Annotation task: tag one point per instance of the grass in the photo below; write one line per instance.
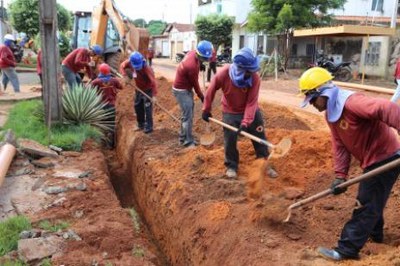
(135, 219)
(53, 226)
(26, 121)
(13, 263)
(9, 233)
(138, 251)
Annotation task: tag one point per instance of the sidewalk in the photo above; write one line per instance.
(28, 92)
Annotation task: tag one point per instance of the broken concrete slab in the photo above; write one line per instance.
(28, 204)
(32, 249)
(36, 149)
(70, 173)
(44, 162)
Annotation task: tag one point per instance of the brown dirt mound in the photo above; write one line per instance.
(201, 218)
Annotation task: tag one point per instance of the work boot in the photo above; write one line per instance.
(148, 130)
(271, 172)
(334, 255)
(231, 173)
(376, 238)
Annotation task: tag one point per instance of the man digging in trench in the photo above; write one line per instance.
(360, 126)
(240, 85)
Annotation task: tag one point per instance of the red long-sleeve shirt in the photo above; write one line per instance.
(39, 62)
(234, 100)
(108, 88)
(144, 78)
(7, 58)
(77, 60)
(187, 74)
(364, 131)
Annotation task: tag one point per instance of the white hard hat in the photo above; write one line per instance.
(9, 37)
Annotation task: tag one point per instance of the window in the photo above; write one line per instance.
(310, 48)
(372, 54)
(112, 35)
(294, 49)
(241, 41)
(219, 8)
(377, 5)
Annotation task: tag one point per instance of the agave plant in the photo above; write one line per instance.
(83, 105)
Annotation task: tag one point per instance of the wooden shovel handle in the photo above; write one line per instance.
(252, 137)
(147, 96)
(348, 183)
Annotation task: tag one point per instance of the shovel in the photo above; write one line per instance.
(278, 150)
(348, 183)
(208, 137)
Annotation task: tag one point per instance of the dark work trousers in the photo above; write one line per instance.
(230, 138)
(144, 110)
(367, 218)
(212, 67)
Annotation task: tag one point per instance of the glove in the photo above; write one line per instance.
(206, 115)
(240, 129)
(336, 182)
(154, 99)
(202, 67)
(395, 81)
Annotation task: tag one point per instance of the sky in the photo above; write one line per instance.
(167, 10)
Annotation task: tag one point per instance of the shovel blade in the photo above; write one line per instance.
(282, 148)
(208, 137)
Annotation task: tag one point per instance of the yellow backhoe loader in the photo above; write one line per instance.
(109, 28)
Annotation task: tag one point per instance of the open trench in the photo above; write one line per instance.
(195, 216)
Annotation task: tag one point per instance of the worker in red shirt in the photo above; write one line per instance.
(146, 82)
(108, 86)
(80, 58)
(150, 55)
(212, 66)
(8, 63)
(361, 127)
(187, 79)
(39, 66)
(240, 86)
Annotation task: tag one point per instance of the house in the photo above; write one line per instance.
(181, 37)
(239, 9)
(160, 44)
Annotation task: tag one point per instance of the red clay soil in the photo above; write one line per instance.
(198, 217)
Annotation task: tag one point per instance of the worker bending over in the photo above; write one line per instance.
(144, 78)
(360, 126)
(187, 79)
(240, 86)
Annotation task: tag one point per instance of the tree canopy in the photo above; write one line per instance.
(156, 27)
(282, 16)
(24, 16)
(215, 28)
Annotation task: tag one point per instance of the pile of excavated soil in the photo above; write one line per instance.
(199, 217)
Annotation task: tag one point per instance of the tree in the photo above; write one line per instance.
(24, 16)
(281, 17)
(215, 28)
(140, 23)
(156, 27)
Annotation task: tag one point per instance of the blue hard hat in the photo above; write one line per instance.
(97, 49)
(204, 49)
(246, 60)
(136, 60)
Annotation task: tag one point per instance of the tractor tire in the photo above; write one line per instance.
(343, 74)
(114, 60)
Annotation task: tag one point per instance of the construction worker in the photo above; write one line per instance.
(8, 63)
(360, 126)
(108, 86)
(187, 79)
(150, 55)
(240, 86)
(78, 59)
(146, 82)
(39, 66)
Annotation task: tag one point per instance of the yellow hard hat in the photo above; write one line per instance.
(313, 78)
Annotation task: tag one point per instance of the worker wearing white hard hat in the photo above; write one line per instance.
(8, 63)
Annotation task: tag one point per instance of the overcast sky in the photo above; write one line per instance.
(167, 10)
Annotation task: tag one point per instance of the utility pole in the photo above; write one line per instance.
(51, 61)
(394, 14)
